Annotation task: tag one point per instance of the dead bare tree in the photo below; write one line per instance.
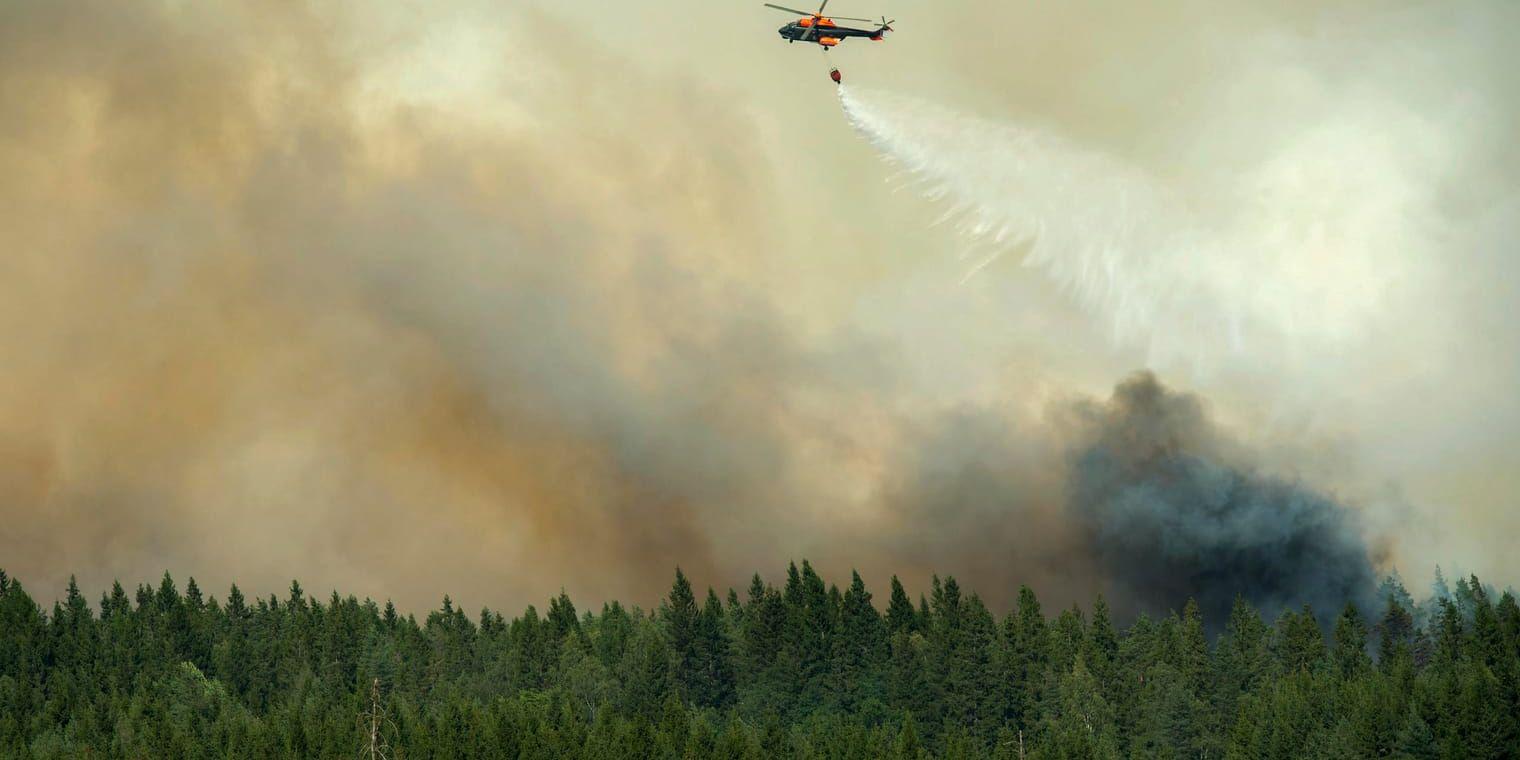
(374, 725)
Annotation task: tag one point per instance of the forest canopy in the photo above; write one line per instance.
(804, 669)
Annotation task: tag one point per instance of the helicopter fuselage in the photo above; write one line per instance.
(827, 33)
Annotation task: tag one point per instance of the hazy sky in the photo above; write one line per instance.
(498, 298)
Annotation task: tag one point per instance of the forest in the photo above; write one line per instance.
(803, 670)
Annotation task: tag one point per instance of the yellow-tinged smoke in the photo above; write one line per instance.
(390, 301)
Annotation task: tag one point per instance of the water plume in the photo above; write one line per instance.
(1192, 268)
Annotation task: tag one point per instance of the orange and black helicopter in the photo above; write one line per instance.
(819, 29)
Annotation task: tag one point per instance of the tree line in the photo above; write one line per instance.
(804, 670)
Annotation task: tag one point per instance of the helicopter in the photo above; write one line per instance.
(819, 29)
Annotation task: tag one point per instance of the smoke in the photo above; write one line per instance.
(264, 319)
(1172, 508)
(1141, 495)
(412, 301)
(1300, 211)
(1163, 505)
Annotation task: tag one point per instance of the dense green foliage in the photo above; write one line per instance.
(806, 670)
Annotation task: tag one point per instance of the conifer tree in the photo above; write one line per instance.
(900, 613)
(1350, 653)
(860, 647)
(908, 681)
(1083, 725)
(1300, 645)
(1029, 645)
(976, 673)
(1101, 649)
(909, 746)
(680, 613)
(1193, 651)
(1395, 635)
(1450, 634)
(561, 618)
(817, 621)
(714, 685)
(613, 630)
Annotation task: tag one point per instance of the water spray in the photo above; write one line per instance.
(1188, 276)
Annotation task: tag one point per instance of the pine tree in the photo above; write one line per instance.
(942, 636)
(817, 620)
(646, 675)
(1465, 597)
(1300, 645)
(861, 648)
(1193, 651)
(715, 685)
(561, 618)
(736, 742)
(1350, 649)
(900, 613)
(1395, 635)
(766, 657)
(1488, 641)
(679, 614)
(1101, 649)
(1083, 725)
(1029, 645)
(613, 630)
(1509, 621)
(1374, 714)
(908, 746)
(1067, 637)
(1450, 638)
(1392, 589)
(908, 680)
(1486, 722)
(972, 680)
(1415, 740)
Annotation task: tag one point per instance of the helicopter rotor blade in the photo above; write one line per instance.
(788, 10)
(852, 18)
(821, 7)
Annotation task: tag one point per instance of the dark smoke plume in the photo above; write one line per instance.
(1171, 511)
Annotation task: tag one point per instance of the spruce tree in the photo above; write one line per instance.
(561, 618)
(1299, 643)
(908, 680)
(1509, 622)
(900, 613)
(861, 647)
(1101, 648)
(1450, 637)
(818, 619)
(909, 746)
(715, 685)
(1193, 652)
(679, 613)
(1029, 642)
(1350, 647)
(1395, 635)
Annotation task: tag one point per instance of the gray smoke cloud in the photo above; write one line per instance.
(1142, 496)
(1172, 509)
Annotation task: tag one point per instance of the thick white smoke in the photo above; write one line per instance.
(1290, 255)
